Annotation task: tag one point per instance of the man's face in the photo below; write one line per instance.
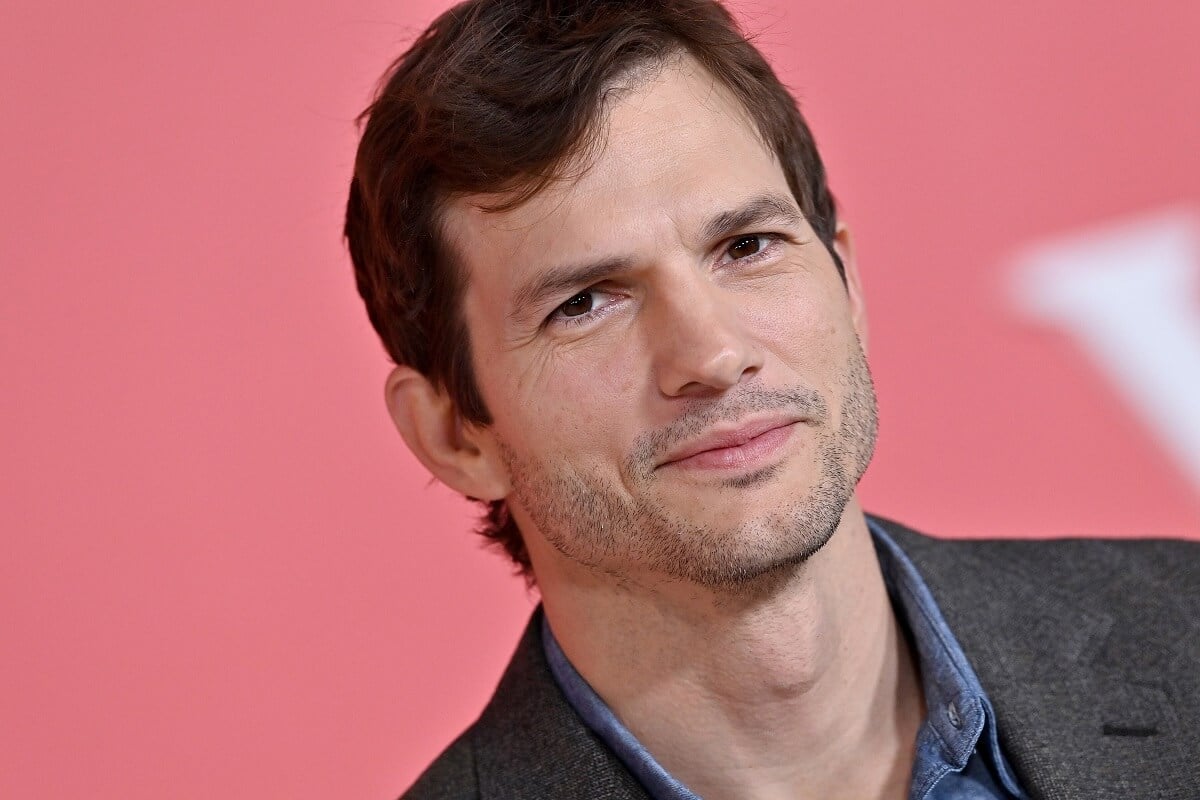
(668, 352)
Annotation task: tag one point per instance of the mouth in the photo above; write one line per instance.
(752, 445)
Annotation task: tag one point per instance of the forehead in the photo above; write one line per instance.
(675, 148)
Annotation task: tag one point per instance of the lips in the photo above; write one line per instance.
(743, 446)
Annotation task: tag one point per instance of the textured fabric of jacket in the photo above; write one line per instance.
(1088, 649)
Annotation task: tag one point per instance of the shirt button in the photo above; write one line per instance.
(952, 713)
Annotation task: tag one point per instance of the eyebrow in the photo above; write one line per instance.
(557, 281)
(759, 210)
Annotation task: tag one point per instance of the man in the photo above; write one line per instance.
(597, 240)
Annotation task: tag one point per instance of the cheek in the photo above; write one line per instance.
(803, 327)
(570, 402)
(601, 383)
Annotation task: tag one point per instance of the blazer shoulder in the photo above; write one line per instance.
(1117, 571)
(1163, 553)
(451, 776)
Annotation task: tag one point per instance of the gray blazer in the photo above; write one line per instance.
(1089, 651)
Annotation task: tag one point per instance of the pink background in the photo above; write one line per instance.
(224, 576)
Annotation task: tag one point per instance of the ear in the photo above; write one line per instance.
(843, 244)
(457, 453)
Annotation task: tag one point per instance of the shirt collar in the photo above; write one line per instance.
(595, 713)
(958, 710)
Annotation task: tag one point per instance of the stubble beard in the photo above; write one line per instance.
(586, 520)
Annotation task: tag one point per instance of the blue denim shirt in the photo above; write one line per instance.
(958, 752)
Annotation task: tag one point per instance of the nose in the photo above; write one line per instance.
(699, 342)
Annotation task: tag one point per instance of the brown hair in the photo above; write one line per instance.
(496, 96)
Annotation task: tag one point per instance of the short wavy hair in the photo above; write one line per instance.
(496, 97)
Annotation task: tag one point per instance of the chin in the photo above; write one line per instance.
(728, 550)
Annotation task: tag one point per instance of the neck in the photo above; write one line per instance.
(806, 688)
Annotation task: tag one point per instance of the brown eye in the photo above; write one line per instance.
(577, 305)
(744, 246)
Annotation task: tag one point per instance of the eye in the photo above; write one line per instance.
(578, 305)
(745, 246)
(585, 307)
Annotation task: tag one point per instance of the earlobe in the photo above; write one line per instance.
(432, 428)
(843, 245)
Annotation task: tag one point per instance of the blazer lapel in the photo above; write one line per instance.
(1085, 697)
(536, 745)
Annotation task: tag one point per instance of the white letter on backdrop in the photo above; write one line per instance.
(1129, 295)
